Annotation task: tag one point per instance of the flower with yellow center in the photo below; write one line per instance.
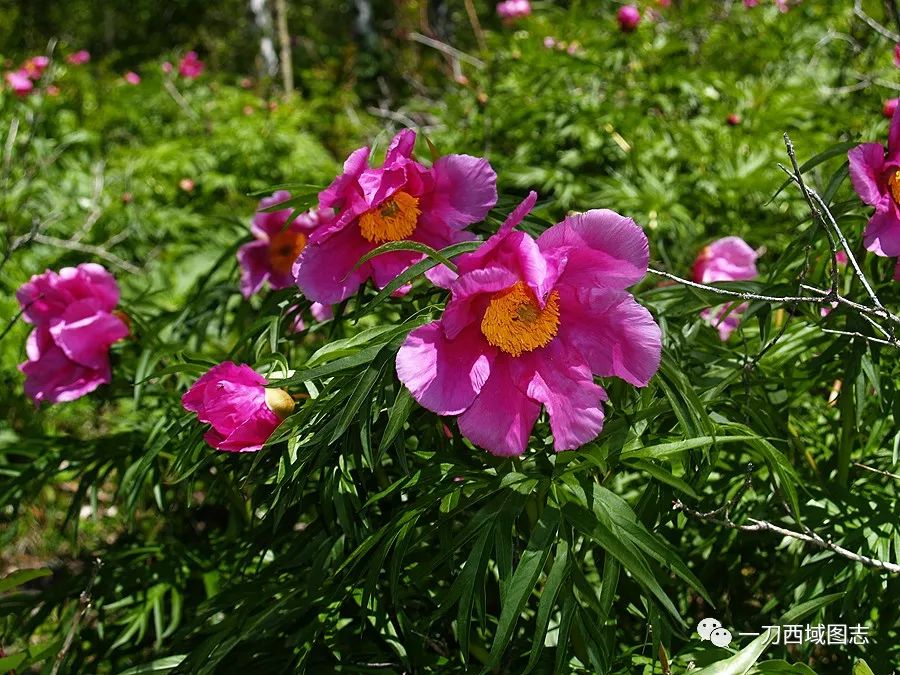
(894, 185)
(516, 324)
(392, 220)
(284, 248)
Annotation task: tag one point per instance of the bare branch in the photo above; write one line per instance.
(873, 24)
(87, 248)
(446, 49)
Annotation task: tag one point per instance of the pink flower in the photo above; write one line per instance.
(549, 42)
(528, 324)
(664, 3)
(751, 3)
(187, 185)
(512, 10)
(74, 326)
(733, 119)
(132, 77)
(628, 17)
(270, 257)
(321, 313)
(235, 401)
(79, 58)
(897, 55)
(35, 67)
(727, 259)
(167, 67)
(875, 174)
(19, 82)
(400, 200)
(52, 90)
(890, 107)
(191, 66)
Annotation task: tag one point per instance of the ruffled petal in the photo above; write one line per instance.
(558, 377)
(401, 145)
(336, 194)
(444, 375)
(484, 255)
(617, 336)
(882, 234)
(465, 190)
(502, 416)
(866, 169)
(252, 433)
(255, 266)
(194, 398)
(84, 334)
(602, 249)
(324, 270)
(55, 378)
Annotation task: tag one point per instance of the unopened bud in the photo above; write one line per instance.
(279, 402)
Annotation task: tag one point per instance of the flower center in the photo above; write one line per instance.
(516, 324)
(894, 185)
(394, 219)
(284, 248)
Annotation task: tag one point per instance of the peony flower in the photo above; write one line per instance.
(35, 67)
(733, 120)
(19, 82)
(528, 324)
(167, 67)
(727, 259)
(270, 257)
(400, 200)
(74, 326)
(191, 66)
(875, 174)
(132, 77)
(890, 107)
(235, 401)
(628, 17)
(79, 58)
(512, 10)
(549, 42)
(321, 313)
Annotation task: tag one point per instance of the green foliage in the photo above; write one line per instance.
(368, 535)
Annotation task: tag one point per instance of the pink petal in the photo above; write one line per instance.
(882, 234)
(465, 190)
(470, 296)
(56, 378)
(323, 270)
(501, 417)
(85, 334)
(725, 319)
(321, 312)
(335, 194)
(616, 335)
(444, 375)
(388, 266)
(602, 249)
(194, 399)
(401, 146)
(726, 259)
(484, 254)
(252, 433)
(559, 378)
(270, 223)
(255, 266)
(866, 168)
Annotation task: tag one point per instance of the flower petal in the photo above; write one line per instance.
(324, 270)
(85, 334)
(501, 417)
(616, 335)
(866, 168)
(401, 145)
(335, 194)
(444, 375)
(255, 266)
(465, 189)
(559, 378)
(602, 249)
(882, 234)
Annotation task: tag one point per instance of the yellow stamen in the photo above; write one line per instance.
(284, 248)
(515, 323)
(894, 185)
(394, 219)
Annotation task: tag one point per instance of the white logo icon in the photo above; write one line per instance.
(712, 630)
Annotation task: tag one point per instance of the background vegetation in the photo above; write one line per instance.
(370, 537)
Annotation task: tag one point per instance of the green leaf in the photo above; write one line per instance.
(20, 577)
(397, 416)
(742, 662)
(163, 665)
(524, 579)
(405, 245)
(862, 668)
(558, 573)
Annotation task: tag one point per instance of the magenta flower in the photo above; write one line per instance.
(191, 66)
(235, 401)
(628, 17)
(74, 326)
(35, 67)
(19, 82)
(727, 259)
(270, 257)
(400, 200)
(512, 10)
(79, 58)
(875, 174)
(132, 77)
(528, 324)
